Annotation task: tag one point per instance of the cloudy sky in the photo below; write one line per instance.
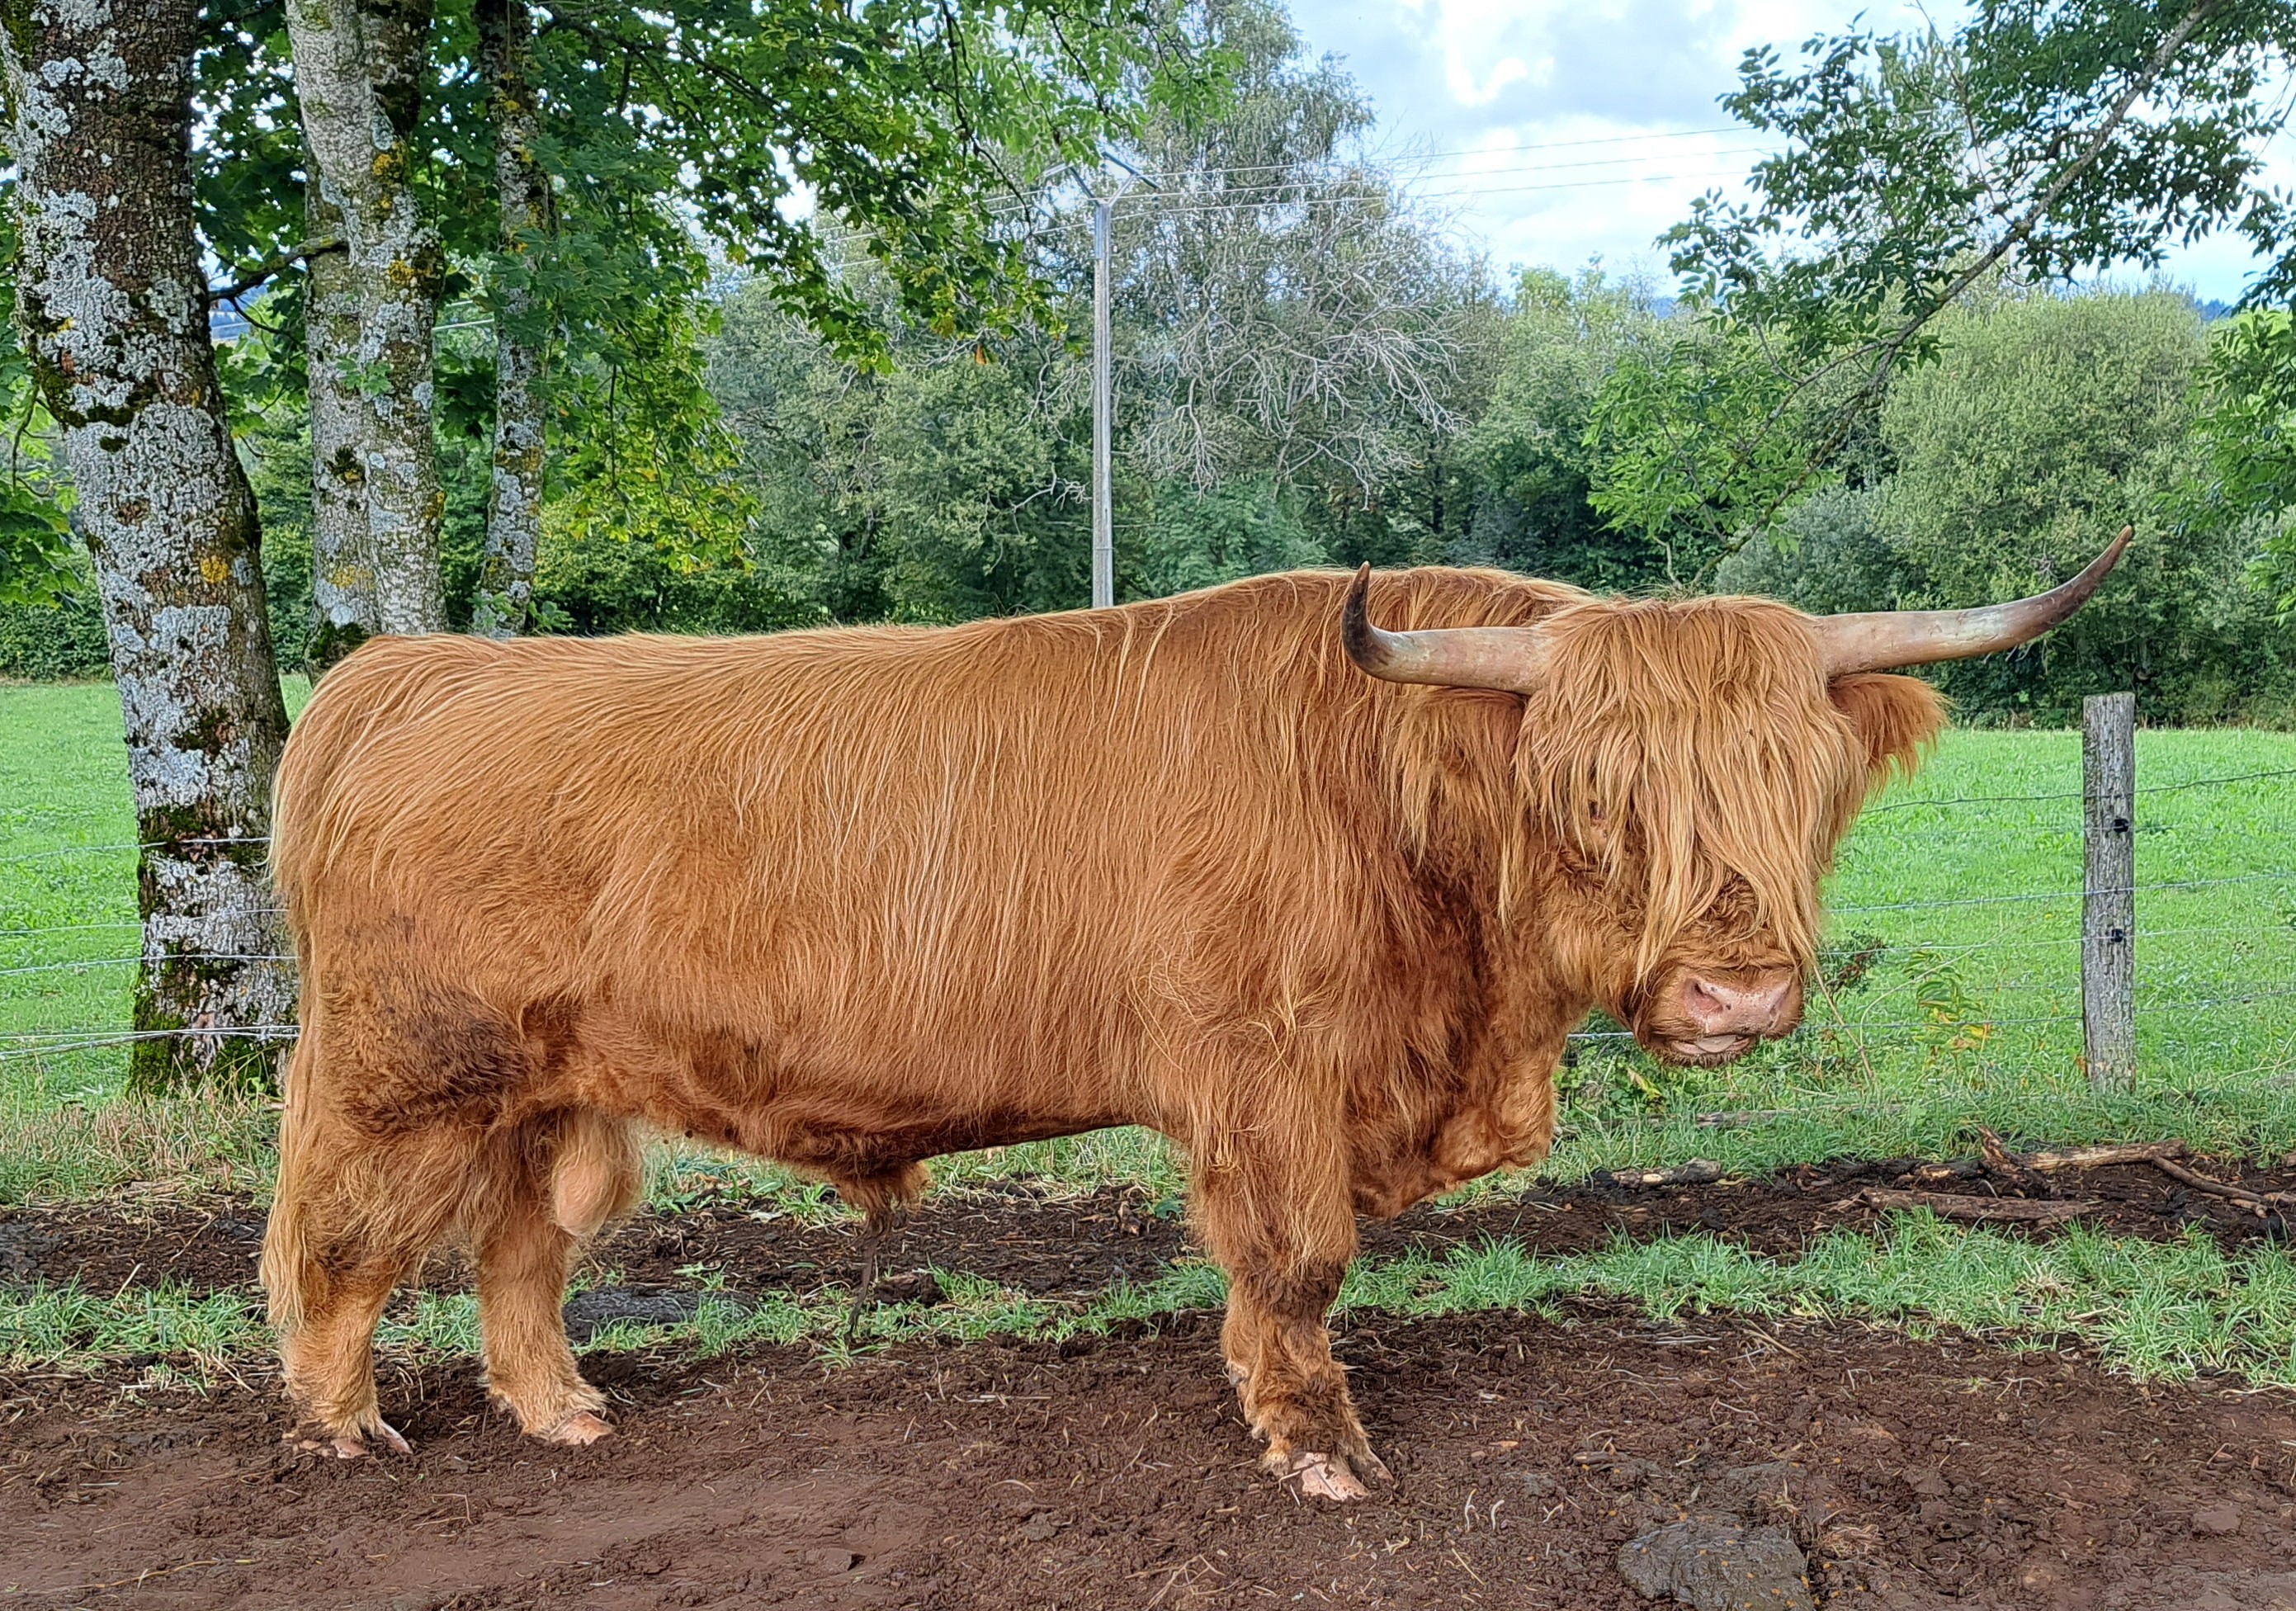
(1554, 133)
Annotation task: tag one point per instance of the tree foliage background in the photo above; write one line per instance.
(1870, 388)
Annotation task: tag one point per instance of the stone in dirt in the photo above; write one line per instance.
(1713, 1565)
(588, 1313)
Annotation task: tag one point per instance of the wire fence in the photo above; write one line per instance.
(2217, 958)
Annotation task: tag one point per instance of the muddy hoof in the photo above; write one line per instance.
(1324, 1477)
(349, 1445)
(579, 1428)
(1371, 1466)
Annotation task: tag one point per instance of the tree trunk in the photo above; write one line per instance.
(342, 573)
(514, 494)
(113, 308)
(360, 66)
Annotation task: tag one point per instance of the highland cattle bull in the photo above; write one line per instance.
(1317, 901)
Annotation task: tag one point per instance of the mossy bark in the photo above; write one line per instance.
(114, 310)
(343, 605)
(360, 67)
(514, 494)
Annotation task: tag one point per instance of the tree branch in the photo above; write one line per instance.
(271, 266)
(2025, 226)
(1891, 347)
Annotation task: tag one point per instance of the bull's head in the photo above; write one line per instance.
(1685, 768)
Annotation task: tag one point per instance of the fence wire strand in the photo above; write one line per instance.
(2082, 794)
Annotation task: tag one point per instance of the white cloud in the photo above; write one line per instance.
(1563, 132)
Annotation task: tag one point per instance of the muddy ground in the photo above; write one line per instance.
(1060, 1244)
(995, 1476)
(1117, 1473)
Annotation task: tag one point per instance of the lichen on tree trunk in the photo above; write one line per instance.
(360, 67)
(514, 494)
(342, 572)
(114, 310)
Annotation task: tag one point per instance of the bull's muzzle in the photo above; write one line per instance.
(1702, 1019)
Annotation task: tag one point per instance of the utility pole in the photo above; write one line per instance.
(1104, 515)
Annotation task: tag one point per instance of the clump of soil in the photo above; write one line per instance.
(1008, 1476)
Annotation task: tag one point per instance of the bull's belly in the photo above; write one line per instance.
(840, 1146)
(849, 1094)
(857, 1132)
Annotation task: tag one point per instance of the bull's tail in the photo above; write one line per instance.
(289, 1265)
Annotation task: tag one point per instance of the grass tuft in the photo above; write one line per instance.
(2153, 1310)
(188, 1143)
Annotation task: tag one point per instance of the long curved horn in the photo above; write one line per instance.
(1454, 657)
(1882, 639)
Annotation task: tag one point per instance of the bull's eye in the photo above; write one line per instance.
(1735, 906)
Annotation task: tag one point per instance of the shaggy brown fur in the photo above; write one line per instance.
(851, 898)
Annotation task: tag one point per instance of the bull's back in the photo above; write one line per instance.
(889, 860)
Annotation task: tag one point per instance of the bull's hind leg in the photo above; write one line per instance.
(1282, 1224)
(352, 1217)
(328, 1358)
(543, 1188)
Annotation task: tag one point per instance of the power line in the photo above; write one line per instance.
(1188, 210)
(1421, 159)
(1375, 161)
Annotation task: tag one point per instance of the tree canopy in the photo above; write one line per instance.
(2038, 140)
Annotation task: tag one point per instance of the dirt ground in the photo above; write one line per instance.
(1108, 1473)
(1526, 1453)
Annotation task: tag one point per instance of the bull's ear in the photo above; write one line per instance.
(1897, 717)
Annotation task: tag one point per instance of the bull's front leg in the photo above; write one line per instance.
(1282, 1227)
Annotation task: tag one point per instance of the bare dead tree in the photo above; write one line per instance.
(1286, 306)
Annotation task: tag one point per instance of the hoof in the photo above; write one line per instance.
(579, 1428)
(349, 1445)
(1325, 1477)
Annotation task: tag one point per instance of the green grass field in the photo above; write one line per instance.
(67, 930)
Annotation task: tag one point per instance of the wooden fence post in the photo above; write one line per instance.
(2108, 890)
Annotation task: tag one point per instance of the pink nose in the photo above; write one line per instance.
(1737, 1009)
